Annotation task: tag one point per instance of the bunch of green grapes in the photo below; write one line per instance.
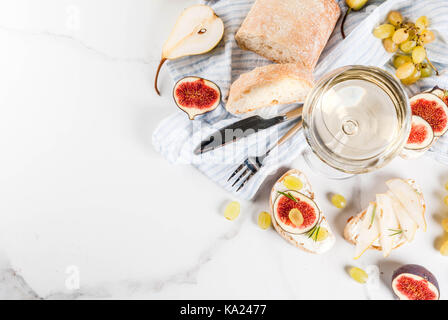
(409, 39)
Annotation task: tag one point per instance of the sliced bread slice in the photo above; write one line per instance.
(269, 85)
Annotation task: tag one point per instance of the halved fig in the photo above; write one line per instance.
(421, 135)
(287, 202)
(414, 282)
(441, 93)
(432, 109)
(196, 96)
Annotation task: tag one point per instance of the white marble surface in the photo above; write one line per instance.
(84, 193)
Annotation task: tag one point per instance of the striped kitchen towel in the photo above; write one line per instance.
(176, 137)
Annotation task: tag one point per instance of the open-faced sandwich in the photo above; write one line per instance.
(296, 216)
(390, 221)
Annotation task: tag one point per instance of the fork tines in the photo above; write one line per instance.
(250, 168)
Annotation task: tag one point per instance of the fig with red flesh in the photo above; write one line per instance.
(421, 135)
(196, 96)
(290, 200)
(414, 282)
(432, 109)
(441, 93)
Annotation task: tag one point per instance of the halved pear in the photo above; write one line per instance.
(198, 30)
(407, 224)
(388, 223)
(410, 199)
(369, 230)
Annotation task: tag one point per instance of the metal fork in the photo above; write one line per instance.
(253, 164)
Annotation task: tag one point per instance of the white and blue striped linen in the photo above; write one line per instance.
(176, 137)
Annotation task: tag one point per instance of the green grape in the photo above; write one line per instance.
(444, 248)
(405, 70)
(399, 60)
(427, 36)
(232, 210)
(413, 78)
(264, 220)
(389, 45)
(425, 70)
(293, 183)
(422, 23)
(358, 275)
(410, 27)
(322, 234)
(356, 4)
(338, 201)
(395, 18)
(296, 217)
(400, 35)
(445, 224)
(384, 31)
(418, 54)
(407, 46)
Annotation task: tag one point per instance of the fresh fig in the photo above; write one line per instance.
(421, 135)
(414, 282)
(196, 96)
(288, 205)
(441, 93)
(432, 109)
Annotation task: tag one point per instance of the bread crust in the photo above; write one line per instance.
(277, 228)
(347, 230)
(300, 27)
(265, 75)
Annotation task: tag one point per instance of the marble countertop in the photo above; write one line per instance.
(87, 208)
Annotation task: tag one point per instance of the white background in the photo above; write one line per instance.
(81, 185)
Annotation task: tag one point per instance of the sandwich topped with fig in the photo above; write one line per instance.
(296, 216)
(390, 221)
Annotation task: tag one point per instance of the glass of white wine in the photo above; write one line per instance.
(356, 120)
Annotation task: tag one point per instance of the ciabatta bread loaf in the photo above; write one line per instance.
(289, 31)
(269, 85)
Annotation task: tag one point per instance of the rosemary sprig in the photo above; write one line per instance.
(395, 232)
(288, 195)
(314, 232)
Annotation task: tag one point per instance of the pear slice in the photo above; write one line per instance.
(388, 222)
(410, 199)
(198, 30)
(408, 225)
(369, 230)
